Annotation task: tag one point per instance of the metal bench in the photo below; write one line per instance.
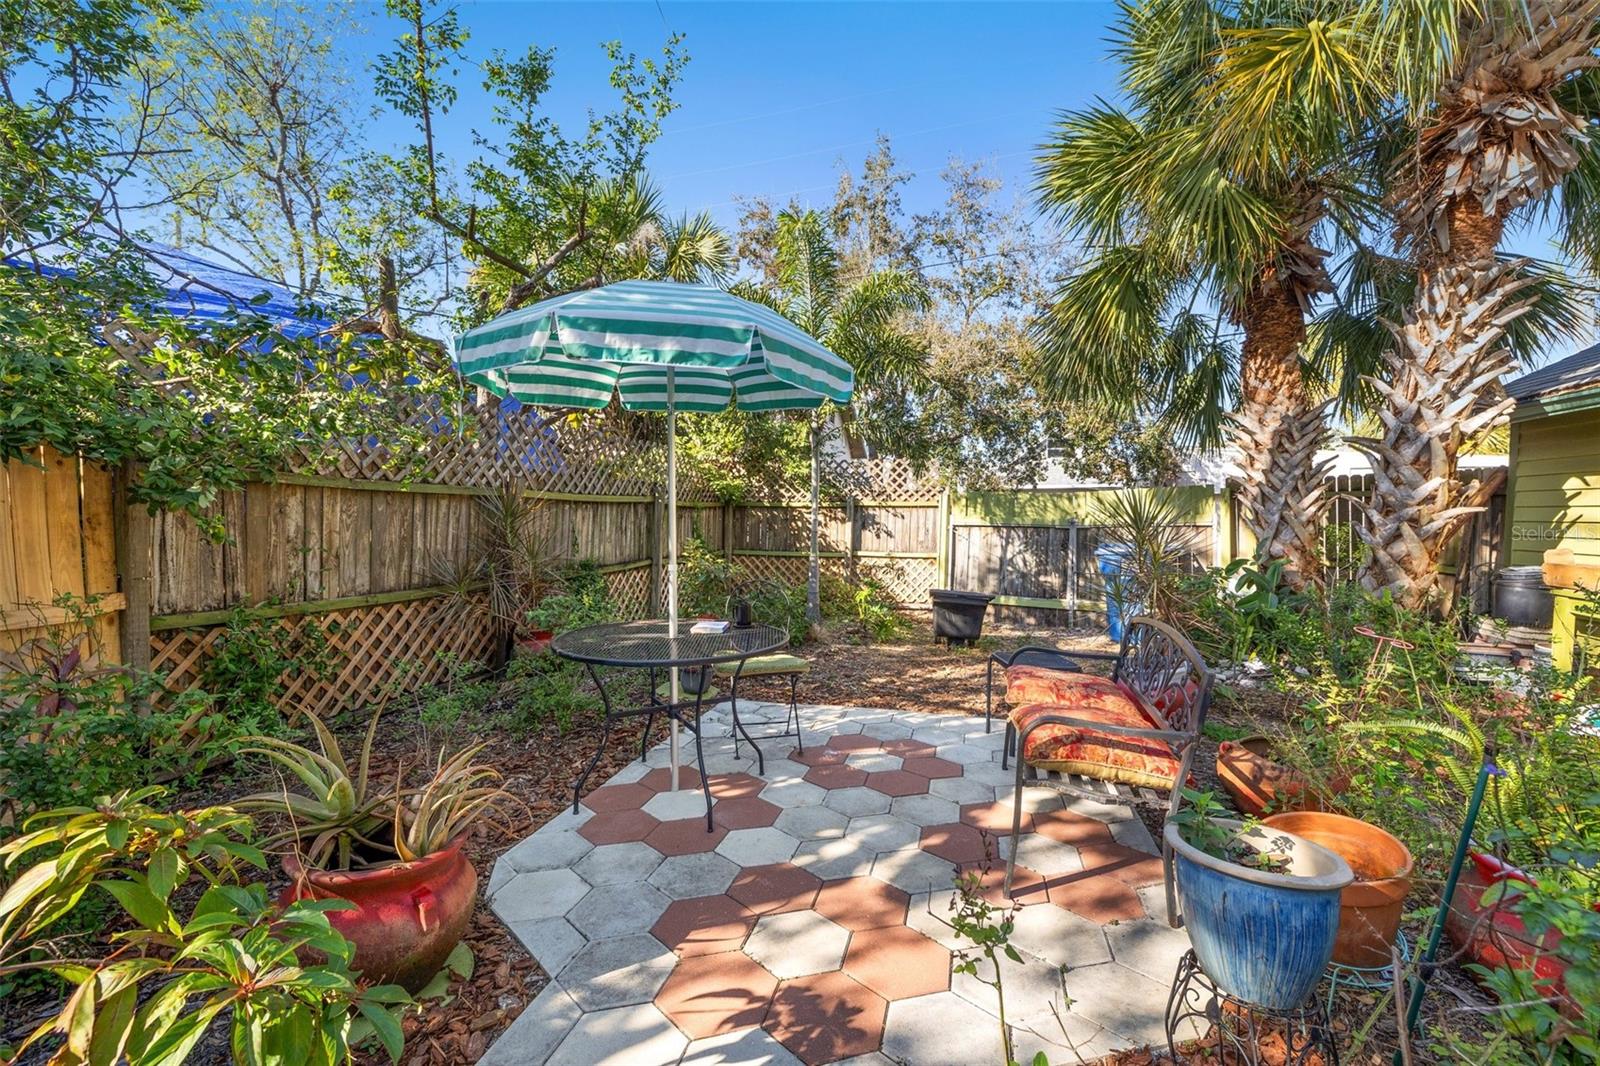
(1167, 675)
(1030, 655)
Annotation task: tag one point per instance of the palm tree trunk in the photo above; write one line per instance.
(1447, 356)
(1278, 430)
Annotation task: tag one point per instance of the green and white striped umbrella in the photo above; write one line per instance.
(576, 350)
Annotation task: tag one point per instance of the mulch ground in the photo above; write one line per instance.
(909, 674)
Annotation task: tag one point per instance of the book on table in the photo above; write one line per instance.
(709, 625)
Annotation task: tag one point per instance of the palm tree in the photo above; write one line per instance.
(1490, 93)
(1200, 278)
(866, 324)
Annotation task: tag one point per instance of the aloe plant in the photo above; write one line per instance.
(460, 793)
(338, 810)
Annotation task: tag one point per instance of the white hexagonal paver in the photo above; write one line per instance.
(925, 810)
(547, 850)
(1063, 1037)
(567, 818)
(624, 1036)
(757, 847)
(617, 910)
(857, 802)
(541, 1026)
(929, 914)
(835, 857)
(883, 832)
(961, 790)
(873, 761)
(1036, 799)
(794, 794)
(617, 972)
(914, 870)
(782, 771)
(618, 864)
(989, 773)
(552, 941)
(1100, 812)
(811, 823)
(744, 1047)
(687, 876)
(1043, 855)
(941, 1028)
(1032, 988)
(797, 943)
(937, 735)
(1133, 833)
(1128, 1003)
(629, 774)
(1148, 947)
(671, 806)
(963, 754)
(540, 894)
(1059, 936)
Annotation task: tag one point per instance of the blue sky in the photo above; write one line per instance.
(777, 94)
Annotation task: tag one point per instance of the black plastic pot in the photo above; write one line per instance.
(1522, 598)
(958, 616)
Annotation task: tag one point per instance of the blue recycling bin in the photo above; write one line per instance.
(1109, 558)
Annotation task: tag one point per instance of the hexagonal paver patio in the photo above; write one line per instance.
(810, 924)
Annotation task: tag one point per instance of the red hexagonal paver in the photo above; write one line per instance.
(898, 963)
(957, 842)
(1069, 827)
(907, 748)
(862, 903)
(836, 776)
(735, 786)
(660, 780)
(715, 994)
(819, 757)
(826, 1017)
(897, 783)
(705, 925)
(685, 836)
(617, 827)
(618, 798)
(1096, 896)
(775, 889)
(994, 818)
(928, 766)
(1128, 865)
(744, 812)
(854, 742)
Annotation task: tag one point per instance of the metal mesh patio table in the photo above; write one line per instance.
(648, 646)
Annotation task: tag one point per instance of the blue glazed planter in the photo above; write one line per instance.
(1261, 936)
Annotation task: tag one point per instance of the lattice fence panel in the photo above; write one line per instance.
(906, 580)
(373, 653)
(630, 591)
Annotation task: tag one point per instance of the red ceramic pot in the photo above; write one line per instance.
(536, 643)
(409, 916)
(1370, 906)
(1495, 936)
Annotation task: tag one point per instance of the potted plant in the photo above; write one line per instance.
(1261, 905)
(1370, 906)
(395, 853)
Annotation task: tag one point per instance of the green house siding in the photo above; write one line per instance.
(1555, 487)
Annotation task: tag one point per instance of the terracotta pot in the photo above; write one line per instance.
(409, 916)
(1258, 783)
(1371, 905)
(536, 643)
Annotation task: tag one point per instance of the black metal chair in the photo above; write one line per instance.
(1167, 675)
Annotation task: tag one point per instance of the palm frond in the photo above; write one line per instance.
(695, 248)
(808, 269)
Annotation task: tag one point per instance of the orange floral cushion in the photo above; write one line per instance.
(1041, 684)
(1104, 756)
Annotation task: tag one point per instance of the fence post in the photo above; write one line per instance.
(942, 545)
(654, 537)
(133, 564)
(1072, 572)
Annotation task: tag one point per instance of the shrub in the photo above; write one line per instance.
(545, 690)
(581, 598)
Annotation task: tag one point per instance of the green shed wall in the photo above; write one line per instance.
(1554, 496)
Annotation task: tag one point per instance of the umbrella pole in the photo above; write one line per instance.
(814, 563)
(672, 560)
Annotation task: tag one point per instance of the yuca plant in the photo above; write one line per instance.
(459, 794)
(170, 976)
(338, 812)
(1150, 522)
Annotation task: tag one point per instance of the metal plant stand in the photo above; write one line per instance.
(1236, 1033)
(1362, 978)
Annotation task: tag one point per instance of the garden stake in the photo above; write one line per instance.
(1380, 655)
(1418, 981)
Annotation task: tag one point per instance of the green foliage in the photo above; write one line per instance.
(876, 611)
(709, 583)
(581, 598)
(250, 660)
(1150, 523)
(544, 690)
(173, 974)
(73, 726)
